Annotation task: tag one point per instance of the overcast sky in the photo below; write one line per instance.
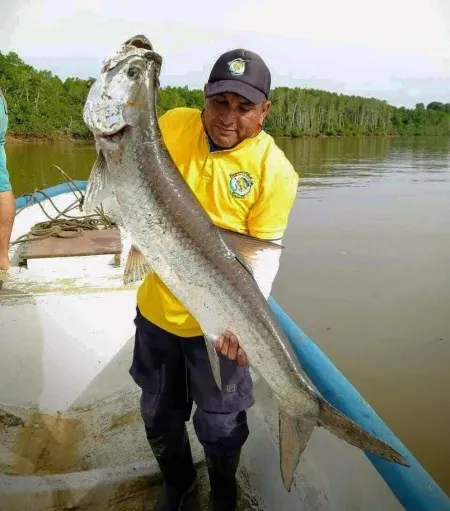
(398, 50)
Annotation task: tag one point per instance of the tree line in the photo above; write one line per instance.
(42, 105)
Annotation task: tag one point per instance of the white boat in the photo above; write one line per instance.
(71, 435)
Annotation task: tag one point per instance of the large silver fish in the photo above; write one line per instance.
(208, 269)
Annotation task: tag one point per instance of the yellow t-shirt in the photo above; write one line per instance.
(249, 189)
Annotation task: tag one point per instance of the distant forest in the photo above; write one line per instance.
(42, 105)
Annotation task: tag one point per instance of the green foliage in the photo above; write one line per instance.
(312, 112)
(439, 107)
(172, 97)
(41, 104)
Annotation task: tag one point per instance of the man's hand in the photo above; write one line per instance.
(228, 345)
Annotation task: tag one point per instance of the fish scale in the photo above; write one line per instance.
(211, 297)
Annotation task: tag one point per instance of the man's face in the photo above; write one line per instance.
(230, 118)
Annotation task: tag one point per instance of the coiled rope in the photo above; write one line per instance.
(63, 225)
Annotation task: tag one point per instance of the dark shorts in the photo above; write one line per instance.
(173, 372)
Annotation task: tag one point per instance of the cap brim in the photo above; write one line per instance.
(243, 89)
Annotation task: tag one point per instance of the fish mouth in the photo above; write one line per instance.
(116, 136)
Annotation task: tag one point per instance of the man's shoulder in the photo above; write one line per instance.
(180, 115)
(275, 159)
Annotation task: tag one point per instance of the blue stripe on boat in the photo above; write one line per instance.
(53, 191)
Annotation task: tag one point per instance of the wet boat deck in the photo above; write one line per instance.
(142, 494)
(71, 434)
(198, 499)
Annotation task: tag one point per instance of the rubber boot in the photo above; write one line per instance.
(222, 478)
(173, 453)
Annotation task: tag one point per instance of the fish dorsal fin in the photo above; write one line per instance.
(259, 257)
(99, 185)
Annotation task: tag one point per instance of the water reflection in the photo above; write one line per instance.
(366, 272)
(355, 162)
(320, 162)
(29, 165)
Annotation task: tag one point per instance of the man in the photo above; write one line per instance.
(246, 184)
(7, 203)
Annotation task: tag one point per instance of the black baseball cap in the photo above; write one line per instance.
(242, 72)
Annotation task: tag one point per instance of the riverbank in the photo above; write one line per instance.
(15, 138)
(348, 135)
(20, 138)
(297, 112)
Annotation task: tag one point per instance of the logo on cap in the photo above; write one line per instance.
(237, 67)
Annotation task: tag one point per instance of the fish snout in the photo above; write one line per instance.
(143, 43)
(103, 111)
(139, 41)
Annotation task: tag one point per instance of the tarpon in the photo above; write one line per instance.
(210, 270)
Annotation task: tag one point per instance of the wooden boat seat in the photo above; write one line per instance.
(88, 243)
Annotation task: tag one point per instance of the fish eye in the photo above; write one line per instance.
(133, 72)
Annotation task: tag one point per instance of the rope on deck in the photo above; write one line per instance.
(63, 225)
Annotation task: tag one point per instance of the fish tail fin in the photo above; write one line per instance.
(294, 435)
(344, 428)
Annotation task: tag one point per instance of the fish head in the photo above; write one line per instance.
(121, 98)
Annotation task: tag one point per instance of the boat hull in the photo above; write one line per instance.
(71, 435)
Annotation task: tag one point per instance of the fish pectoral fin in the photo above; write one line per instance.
(294, 435)
(248, 248)
(136, 267)
(99, 185)
(213, 360)
(258, 256)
